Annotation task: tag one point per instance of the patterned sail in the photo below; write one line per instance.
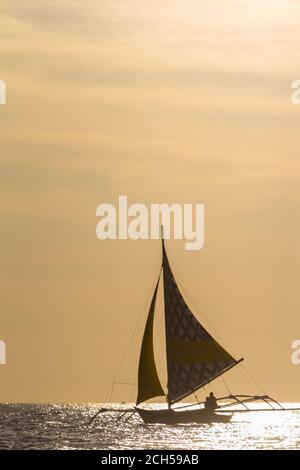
(194, 358)
(148, 382)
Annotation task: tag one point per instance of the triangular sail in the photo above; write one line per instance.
(148, 382)
(194, 358)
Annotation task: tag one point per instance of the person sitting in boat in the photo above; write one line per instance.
(211, 402)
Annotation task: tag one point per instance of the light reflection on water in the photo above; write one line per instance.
(67, 427)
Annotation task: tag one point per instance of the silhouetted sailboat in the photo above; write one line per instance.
(194, 359)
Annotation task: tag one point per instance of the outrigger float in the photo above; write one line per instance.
(194, 359)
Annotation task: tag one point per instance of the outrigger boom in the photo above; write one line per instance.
(239, 399)
(248, 399)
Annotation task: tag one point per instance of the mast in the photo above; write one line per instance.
(162, 267)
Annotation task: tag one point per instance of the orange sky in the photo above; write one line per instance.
(164, 102)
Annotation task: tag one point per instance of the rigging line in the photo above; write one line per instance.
(255, 384)
(136, 327)
(124, 383)
(227, 388)
(205, 317)
(246, 375)
(111, 392)
(245, 370)
(201, 312)
(132, 394)
(248, 381)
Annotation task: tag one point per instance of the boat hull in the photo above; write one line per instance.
(171, 416)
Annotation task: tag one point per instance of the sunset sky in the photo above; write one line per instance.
(163, 101)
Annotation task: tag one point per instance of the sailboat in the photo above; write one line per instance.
(194, 359)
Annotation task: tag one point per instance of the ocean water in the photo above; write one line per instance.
(67, 427)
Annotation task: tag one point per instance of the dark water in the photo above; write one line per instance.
(67, 427)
